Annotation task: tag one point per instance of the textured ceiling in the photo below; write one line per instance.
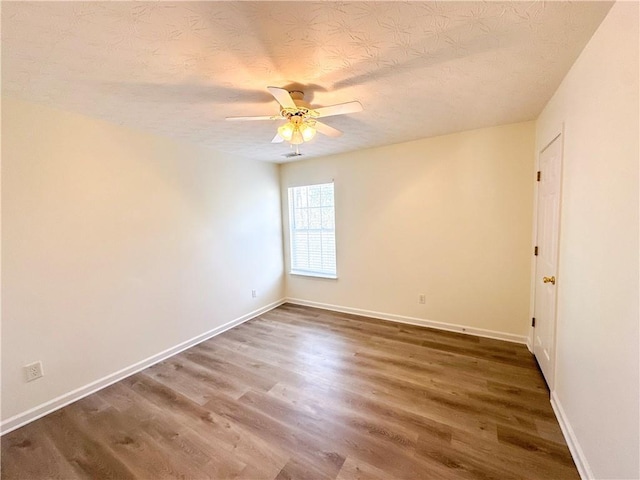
(178, 69)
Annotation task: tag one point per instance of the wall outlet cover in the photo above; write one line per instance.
(33, 371)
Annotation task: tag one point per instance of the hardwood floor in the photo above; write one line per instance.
(306, 393)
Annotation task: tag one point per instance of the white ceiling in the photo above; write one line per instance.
(178, 69)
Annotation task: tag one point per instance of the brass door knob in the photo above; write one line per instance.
(551, 280)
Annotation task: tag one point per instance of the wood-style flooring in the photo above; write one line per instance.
(306, 393)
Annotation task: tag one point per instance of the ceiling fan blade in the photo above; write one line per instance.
(282, 96)
(277, 139)
(188, 92)
(243, 119)
(339, 109)
(327, 130)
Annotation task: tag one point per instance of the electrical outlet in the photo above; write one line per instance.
(422, 298)
(33, 371)
(253, 294)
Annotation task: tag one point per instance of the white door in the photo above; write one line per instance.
(546, 277)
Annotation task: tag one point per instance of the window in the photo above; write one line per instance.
(312, 230)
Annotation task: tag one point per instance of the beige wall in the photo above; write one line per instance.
(450, 217)
(597, 332)
(118, 245)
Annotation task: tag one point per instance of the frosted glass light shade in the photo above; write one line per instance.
(286, 131)
(308, 132)
(296, 138)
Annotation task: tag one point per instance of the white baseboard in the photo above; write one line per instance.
(574, 446)
(32, 414)
(530, 343)
(451, 327)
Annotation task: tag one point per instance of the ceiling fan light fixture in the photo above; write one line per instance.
(296, 138)
(286, 131)
(307, 131)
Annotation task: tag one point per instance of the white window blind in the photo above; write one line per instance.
(312, 230)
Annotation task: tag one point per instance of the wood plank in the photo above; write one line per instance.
(88, 456)
(33, 442)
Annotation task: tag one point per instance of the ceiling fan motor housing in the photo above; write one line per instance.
(303, 110)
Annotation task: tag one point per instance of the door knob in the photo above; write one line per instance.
(551, 280)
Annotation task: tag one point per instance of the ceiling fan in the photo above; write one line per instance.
(301, 119)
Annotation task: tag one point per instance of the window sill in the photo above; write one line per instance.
(313, 274)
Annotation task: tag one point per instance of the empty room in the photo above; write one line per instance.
(320, 240)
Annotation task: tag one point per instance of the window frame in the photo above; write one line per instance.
(291, 217)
